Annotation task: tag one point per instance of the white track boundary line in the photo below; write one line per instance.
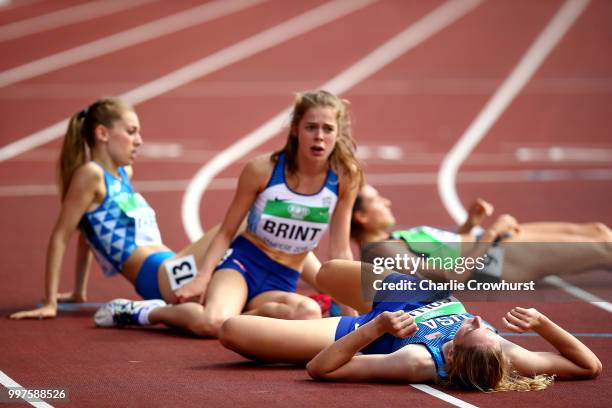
(502, 98)
(6, 5)
(9, 382)
(531, 61)
(414, 35)
(146, 32)
(378, 179)
(383, 55)
(63, 17)
(579, 293)
(246, 48)
(441, 395)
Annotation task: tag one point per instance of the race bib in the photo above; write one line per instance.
(444, 307)
(146, 229)
(292, 227)
(180, 271)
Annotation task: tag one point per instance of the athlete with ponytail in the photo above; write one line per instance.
(414, 336)
(115, 222)
(289, 199)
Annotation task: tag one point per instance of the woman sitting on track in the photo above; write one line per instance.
(291, 197)
(115, 222)
(426, 337)
(516, 252)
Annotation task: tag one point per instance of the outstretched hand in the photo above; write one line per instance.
(43, 312)
(521, 320)
(399, 323)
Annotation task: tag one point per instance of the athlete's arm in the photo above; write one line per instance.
(340, 228)
(252, 180)
(310, 270)
(82, 268)
(476, 212)
(574, 360)
(338, 361)
(87, 183)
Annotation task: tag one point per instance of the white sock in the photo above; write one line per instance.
(145, 307)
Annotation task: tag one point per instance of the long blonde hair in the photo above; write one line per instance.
(343, 156)
(80, 138)
(486, 369)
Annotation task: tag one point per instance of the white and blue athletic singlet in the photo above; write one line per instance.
(123, 222)
(432, 334)
(291, 222)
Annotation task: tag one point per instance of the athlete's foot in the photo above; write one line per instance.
(124, 312)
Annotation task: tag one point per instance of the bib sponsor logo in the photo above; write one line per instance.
(298, 212)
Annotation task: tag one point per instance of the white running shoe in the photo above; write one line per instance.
(123, 312)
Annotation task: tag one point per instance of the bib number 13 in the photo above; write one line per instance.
(180, 271)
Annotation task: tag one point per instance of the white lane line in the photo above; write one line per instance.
(266, 39)
(579, 293)
(64, 17)
(146, 32)
(537, 53)
(378, 179)
(415, 34)
(444, 397)
(11, 5)
(8, 382)
(564, 153)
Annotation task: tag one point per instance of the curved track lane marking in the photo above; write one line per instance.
(137, 35)
(409, 38)
(414, 35)
(503, 97)
(246, 48)
(531, 61)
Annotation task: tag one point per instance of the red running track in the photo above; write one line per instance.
(418, 106)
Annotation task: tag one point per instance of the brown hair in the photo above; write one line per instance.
(486, 369)
(80, 138)
(356, 227)
(343, 156)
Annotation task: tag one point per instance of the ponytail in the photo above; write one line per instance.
(79, 139)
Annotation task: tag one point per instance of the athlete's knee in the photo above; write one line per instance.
(230, 333)
(208, 325)
(307, 309)
(600, 231)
